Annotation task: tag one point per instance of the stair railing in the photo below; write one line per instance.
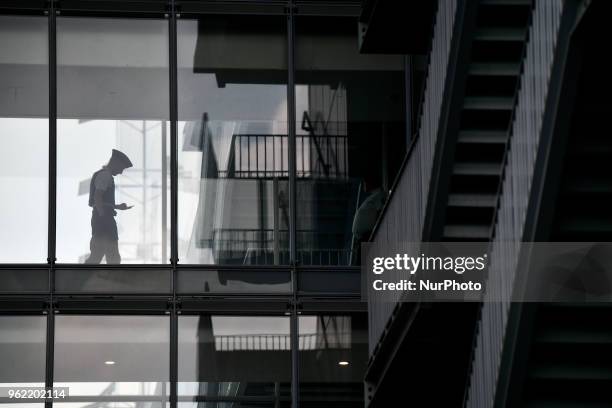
(513, 199)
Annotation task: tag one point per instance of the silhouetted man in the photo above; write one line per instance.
(104, 237)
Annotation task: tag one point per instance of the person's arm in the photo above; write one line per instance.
(123, 206)
(101, 208)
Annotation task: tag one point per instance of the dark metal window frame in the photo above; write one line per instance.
(50, 302)
(171, 10)
(174, 308)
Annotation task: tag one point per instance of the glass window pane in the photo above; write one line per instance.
(112, 94)
(350, 138)
(244, 360)
(233, 167)
(24, 133)
(22, 351)
(101, 357)
(333, 359)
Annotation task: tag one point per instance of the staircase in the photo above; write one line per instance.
(570, 362)
(570, 356)
(481, 132)
(493, 72)
(471, 161)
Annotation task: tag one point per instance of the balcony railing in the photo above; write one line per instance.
(265, 246)
(255, 156)
(268, 342)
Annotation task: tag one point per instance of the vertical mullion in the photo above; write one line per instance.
(295, 353)
(291, 134)
(408, 97)
(52, 51)
(51, 226)
(291, 147)
(49, 349)
(248, 138)
(174, 355)
(173, 136)
(172, 49)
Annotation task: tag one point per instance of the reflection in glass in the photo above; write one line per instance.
(333, 359)
(100, 357)
(235, 359)
(24, 134)
(22, 351)
(112, 94)
(350, 138)
(233, 157)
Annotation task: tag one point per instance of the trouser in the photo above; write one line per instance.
(103, 247)
(104, 239)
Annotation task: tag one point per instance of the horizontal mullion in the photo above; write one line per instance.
(114, 6)
(221, 398)
(197, 8)
(111, 398)
(23, 5)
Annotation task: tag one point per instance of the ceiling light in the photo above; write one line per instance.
(343, 363)
(109, 362)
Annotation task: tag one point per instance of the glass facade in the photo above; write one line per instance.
(350, 138)
(112, 359)
(233, 140)
(333, 358)
(112, 88)
(233, 359)
(181, 183)
(247, 183)
(24, 134)
(22, 351)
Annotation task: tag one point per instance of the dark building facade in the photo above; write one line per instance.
(509, 148)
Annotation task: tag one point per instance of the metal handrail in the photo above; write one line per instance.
(415, 172)
(241, 166)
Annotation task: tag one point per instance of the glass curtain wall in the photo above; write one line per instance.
(22, 353)
(113, 153)
(113, 200)
(234, 361)
(112, 360)
(233, 140)
(333, 359)
(112, 141)
(350, 138)
(224, 360)
(24, 134)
